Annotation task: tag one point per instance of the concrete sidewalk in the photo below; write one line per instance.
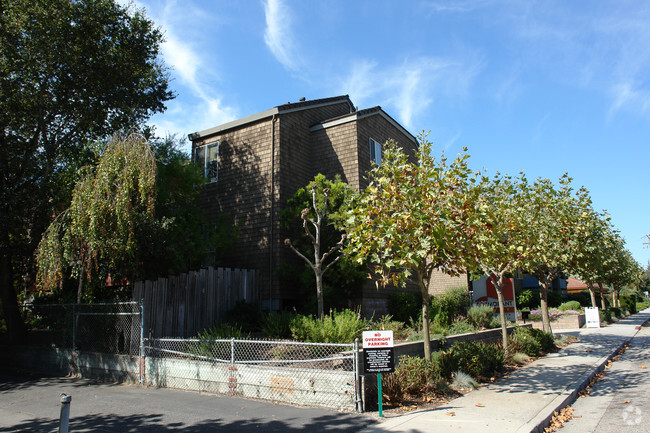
(525, 400)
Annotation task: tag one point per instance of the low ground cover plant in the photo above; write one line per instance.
(530, 341)
(336, 327)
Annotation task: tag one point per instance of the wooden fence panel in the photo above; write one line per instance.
(186, 304)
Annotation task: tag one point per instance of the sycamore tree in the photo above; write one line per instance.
(71, 72)
(500, 246)
(415, 217)
(594, 257)
(554, 216)
(322, 237)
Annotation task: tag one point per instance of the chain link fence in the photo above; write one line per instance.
(311, 374)
(113, 328)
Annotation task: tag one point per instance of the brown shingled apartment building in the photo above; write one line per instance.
(256, 163)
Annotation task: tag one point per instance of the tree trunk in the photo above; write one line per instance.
(602, 296)
(426, 300)
(592, 294)
(543, 294)
(319, 293)
(502, 315)
(15, 324)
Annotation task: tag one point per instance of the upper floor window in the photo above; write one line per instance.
(207, 156)
(375, 152)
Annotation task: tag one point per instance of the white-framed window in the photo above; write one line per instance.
(375, 152)
(207, 156)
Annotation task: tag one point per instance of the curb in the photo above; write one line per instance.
(542, 420)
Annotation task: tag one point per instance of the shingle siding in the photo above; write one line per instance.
(247, 169)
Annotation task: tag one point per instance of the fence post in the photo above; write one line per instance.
(357, 383)
(141, 378)
(64, 418)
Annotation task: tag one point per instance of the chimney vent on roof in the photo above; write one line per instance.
(302, 99)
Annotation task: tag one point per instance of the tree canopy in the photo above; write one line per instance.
(71, 73)
(415, 216)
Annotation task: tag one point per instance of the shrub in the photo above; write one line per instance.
(527, 299)
(629, 303)
(478, 359)
(570, 305)
(463, 381)
(444, 364)
(480, 316)
(519, 358)
(386, 323)
(642, 305)
(495, 322)
(530, 341)
(392, 387)
(277, 324)
(605, 316)
(405, 306)
(449, 306)
(223, 331)
(616, 312)
(461, 327)
(521, 340)
(336, 327)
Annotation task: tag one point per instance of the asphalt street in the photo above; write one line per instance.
(620, 401)
(33, 405)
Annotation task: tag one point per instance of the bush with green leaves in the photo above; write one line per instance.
(335, 327)
(584, 298)
(277, 324)
(449, 306)
(480, 316)
(628, 303)
(461, 327)
(530, 341)
(527, 299)
(386, 323)
(478, 359)
(570, 305)
(642, 305)
(605, 315)
(405, 306)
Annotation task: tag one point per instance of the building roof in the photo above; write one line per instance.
(361, 114)
(280, 109)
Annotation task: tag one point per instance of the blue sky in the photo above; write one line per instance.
(546, 87)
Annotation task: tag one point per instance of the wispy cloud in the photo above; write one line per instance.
(278, 35)
(452, 140)
(194, 78)
(410, 87)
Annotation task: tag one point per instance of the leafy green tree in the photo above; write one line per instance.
(135, 215)
(500, 246)
(415, 217)
(71, 72)
(321, 214)
(554, 218)
(112, 208)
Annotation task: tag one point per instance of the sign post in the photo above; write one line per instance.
(378, 357)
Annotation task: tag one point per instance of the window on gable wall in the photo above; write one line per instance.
(207, 156)
(375, 152)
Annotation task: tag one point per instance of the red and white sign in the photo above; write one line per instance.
(377, 339)
(486, 294)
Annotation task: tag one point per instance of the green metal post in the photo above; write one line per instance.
(381, 412)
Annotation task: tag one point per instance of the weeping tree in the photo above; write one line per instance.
(111, 212)
(320, 220)
(414, 218)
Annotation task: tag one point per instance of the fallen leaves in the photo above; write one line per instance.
(479, 405)
(450, 413)
(559, 418)
(625, 401)
(643, 367)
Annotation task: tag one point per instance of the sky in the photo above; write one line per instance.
(544, 87)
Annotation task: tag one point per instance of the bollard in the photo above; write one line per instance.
(64, 419)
